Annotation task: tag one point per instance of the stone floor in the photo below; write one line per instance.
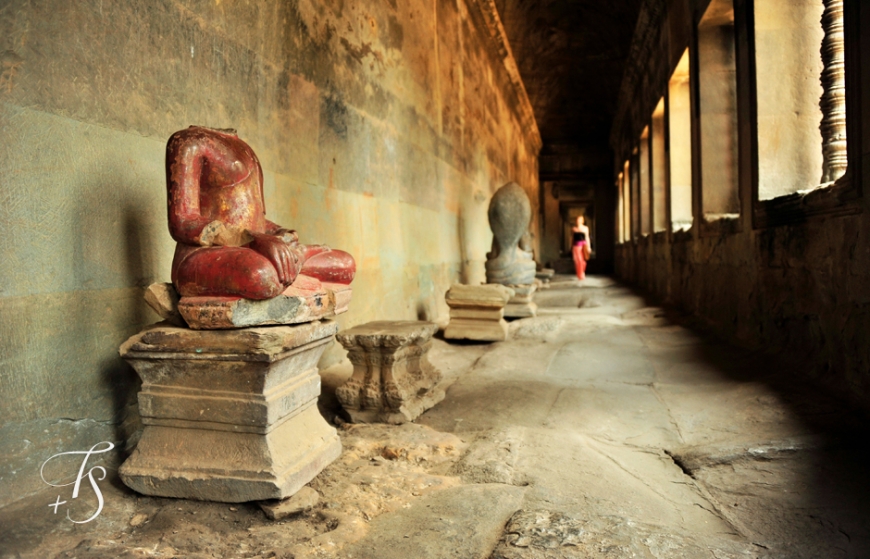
(605, 427)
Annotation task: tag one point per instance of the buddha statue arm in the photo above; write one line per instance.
(273, 228)
(185, 158)
(281, 246)
(184, 162)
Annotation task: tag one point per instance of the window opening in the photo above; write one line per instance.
(620, 212)
(800, 92)
(680, 145)
(626, 189)
(717, 88)
(659, 167)
(644, 172)
(635, 194)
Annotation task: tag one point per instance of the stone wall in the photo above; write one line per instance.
(802, 288)
(790, 275)
(382, 128)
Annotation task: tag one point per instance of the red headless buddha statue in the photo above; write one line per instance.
(217, 214)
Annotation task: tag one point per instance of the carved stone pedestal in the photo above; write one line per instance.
(477, 312)
(229, 415)
(521, 304)
(392, 381)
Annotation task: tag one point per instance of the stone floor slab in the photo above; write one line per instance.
(662, 444)
(459, 523)
(595, 359)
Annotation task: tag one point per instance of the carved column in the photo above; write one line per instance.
(833, 101)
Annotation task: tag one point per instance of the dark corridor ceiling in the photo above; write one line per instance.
(571, 55)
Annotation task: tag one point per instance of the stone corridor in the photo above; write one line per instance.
(605, 427)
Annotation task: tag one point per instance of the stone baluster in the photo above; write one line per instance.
(833, 101)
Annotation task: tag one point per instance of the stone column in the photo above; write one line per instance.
(229, 415)
(477, 312)
(392, 381)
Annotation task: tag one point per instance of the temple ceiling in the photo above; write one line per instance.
(571, 55)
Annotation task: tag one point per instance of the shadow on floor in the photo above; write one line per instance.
(807, 494)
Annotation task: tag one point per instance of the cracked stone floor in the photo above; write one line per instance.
(606, 427)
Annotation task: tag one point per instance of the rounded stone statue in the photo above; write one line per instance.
(510, 263)
(217, 215)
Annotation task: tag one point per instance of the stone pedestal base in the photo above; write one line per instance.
(545, 275)
(521, 304)
(306, 300)
(229, 415)
(477, 312)
(392, 381)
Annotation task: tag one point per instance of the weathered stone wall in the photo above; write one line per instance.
(382, 127)
(801, 284)
(803, 288)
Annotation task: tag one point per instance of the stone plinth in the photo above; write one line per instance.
(477, 312)
(306, 300)
(544, 275)
(229, 415)
(392, 381)
(521, 304)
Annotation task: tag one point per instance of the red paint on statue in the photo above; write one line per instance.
(217, 214)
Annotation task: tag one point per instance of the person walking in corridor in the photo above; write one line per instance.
(582, 246)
